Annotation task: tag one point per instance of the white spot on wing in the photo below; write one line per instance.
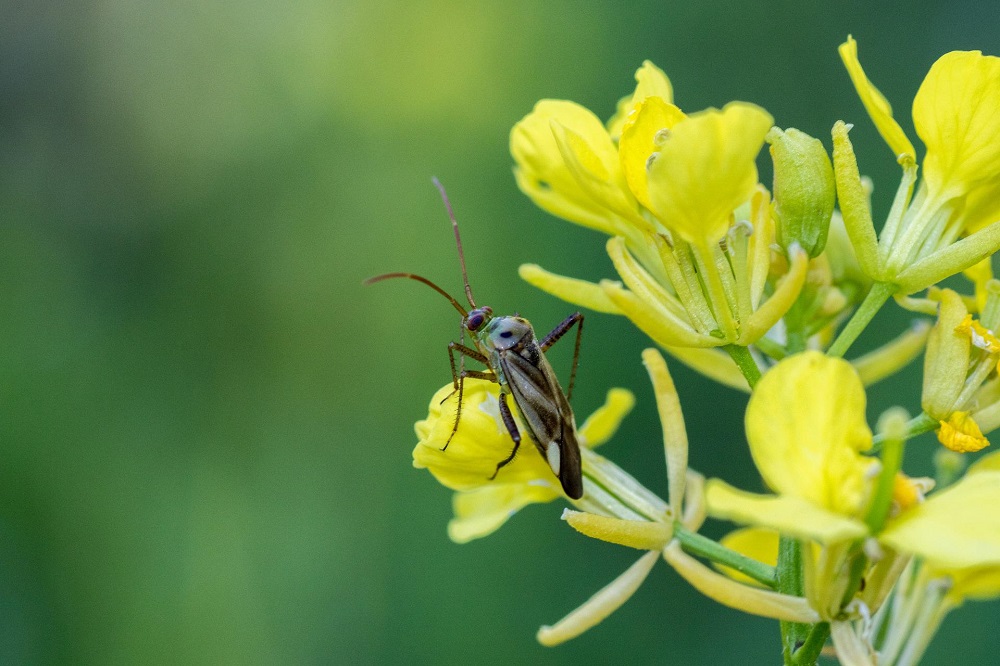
(552, 453)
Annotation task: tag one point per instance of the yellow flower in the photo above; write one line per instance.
(956, 113)
(692, 229)
(657, 532)
(806, 430)
(960, 389)
(482, 505)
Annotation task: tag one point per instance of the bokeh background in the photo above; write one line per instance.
(206, 420)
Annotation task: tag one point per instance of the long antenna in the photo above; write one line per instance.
(418, 278)
(458, 239)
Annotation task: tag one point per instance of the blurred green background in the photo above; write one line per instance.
(206, 420)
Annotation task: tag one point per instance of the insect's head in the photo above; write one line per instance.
(478, 318)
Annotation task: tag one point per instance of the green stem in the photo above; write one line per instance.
(892, 462)
(876, 298)
(918, 425)
(790, 581)
(745, 362)
(771, 348)
(696, 544)
(810, 650)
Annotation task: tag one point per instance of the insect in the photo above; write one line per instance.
(514, 358)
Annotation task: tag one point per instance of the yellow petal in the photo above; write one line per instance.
(706, 169)
(982, 583)
(957, 528)
(592, 160)
(650, 82)
(603, 423)
(482, 511)
(479, 444)
(789, 515)
(805, 425)
(639, 140)
(757, 543)
(542, 172)
(578, 292)
(947, 358)
(988, 463)
(641, 534)
(601, 605)
(957, 115)
(961, 434)
(875, 103)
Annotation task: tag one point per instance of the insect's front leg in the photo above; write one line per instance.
(558, 332)
(515, 434)
(458, 380)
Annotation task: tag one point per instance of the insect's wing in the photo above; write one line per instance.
(546, 412)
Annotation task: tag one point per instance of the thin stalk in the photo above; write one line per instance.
(745, 362)
(876, 298)
(702, 546)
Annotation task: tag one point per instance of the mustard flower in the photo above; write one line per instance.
(482, 505)
(691, 227)
(952, 221)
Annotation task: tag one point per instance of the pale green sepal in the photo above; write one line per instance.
(641, 534)
(601, 605)
(851, 649)
(853, 201)
(951, 260)
(712, 363)
(655, 321)
(775, 307)
(789, 515)
(946, 359)
(578, 292)
(957, 528)
(728, 592)
(675, 441)
(893, 356)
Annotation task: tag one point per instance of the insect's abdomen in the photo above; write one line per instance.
(546, 412)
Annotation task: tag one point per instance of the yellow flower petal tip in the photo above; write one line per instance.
(961, 433)
(876, 105)
(604, 422)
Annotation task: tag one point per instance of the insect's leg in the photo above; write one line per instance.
(463, 351)
(458, 380)
(558, 332)
(515, 434)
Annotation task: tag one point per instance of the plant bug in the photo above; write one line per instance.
(515, 359)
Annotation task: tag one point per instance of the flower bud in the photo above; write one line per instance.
(804, 189)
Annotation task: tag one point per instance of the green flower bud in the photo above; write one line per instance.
(804, 189)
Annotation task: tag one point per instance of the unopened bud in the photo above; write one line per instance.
(804, 189)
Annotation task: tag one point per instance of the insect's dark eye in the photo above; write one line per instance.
(475, 322)
(506, 334)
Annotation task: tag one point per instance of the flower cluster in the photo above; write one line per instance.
(764, 290)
